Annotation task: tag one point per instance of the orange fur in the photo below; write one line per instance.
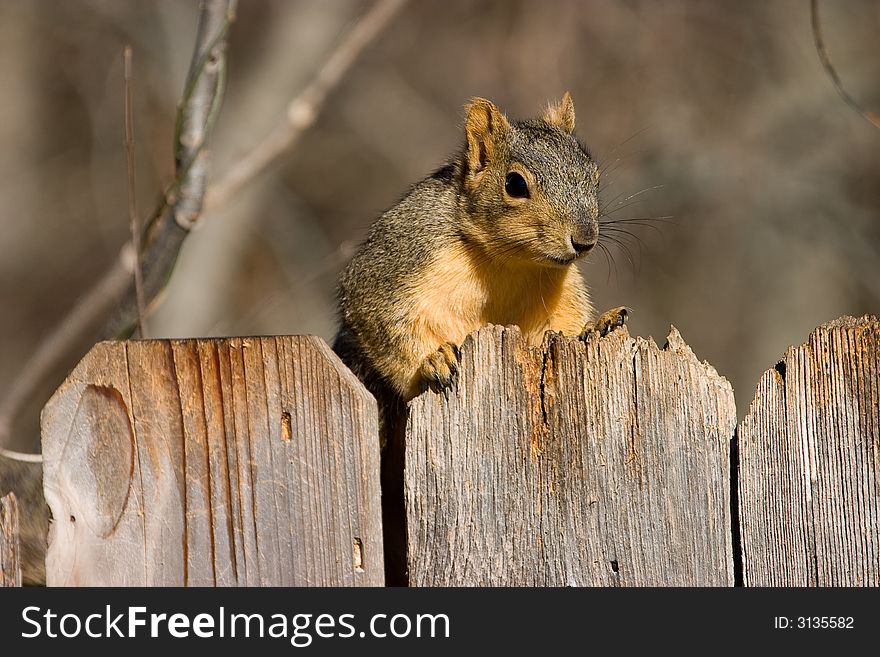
(562, 114)
(461, 292)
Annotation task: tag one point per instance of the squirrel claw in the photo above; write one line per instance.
(607, 321)
(439, 368)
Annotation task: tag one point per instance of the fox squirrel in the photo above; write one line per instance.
(490, 237)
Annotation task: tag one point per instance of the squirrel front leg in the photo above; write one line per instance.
(414, 365)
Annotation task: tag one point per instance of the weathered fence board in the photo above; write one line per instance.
(603, 462)
(10, 551)
(242, 461)
(809, 463)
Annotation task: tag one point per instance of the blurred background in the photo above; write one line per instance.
(716, 114)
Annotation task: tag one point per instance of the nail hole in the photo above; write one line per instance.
(358, 561)
(72, 519)
(615, 567)
(285, 426)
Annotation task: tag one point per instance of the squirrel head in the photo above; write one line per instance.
(530, 188)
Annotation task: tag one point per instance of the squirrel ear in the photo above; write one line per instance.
(561, 115)
(485, 128)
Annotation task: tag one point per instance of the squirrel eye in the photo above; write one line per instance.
(515, 185)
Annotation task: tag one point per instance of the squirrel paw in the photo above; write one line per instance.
(608, 321)
(438, 369)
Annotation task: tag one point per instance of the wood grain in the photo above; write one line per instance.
(240, 461)
(809, 463)
(10, 551)
(604, 462)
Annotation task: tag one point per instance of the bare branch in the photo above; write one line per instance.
(133, 218)
(180, 207)
(185, 198)
(304, 109)
(825, 58)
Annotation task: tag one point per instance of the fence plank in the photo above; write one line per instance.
(809, 463)
(241, 461)
(603, 462)
(10, 551)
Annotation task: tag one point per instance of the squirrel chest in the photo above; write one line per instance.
(461, 291)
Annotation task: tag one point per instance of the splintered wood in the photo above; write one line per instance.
(242, 461)
(605, 463)
(809, 451)
(10, 551)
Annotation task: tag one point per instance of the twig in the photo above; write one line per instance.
(824, 57)
(134, 220)
(181, 205)
(24, 457)
(304, 109)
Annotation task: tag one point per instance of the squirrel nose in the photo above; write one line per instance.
(581, 248)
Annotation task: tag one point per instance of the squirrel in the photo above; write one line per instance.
(491, 237)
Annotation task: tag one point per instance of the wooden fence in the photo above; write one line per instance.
(10, 557)
(609, 462)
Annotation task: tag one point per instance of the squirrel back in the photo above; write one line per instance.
(490, 237)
